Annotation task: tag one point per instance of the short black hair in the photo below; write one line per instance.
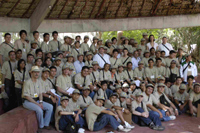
(125, 49)
(115, 50)
(45, 34)
(104, 82)
(172, 51)
(152, 48)
(77, 36)
(10, 52)
(84, 67)
(190, 77)
(53, 67)
(19, 50)
(158, 59)
(21, 32)
(178, 77)
(129, 63)
(38, 50)
(76, 42)
(7, 34)
(54, 32)
(162, 51)
(114, 38)
(34, 32)
(29, 55)
(150, 60)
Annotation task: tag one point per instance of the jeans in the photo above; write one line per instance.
(109, 92)
(152, 117)
(105, 120)
(184, 109)
(39, 112)
(92, 94)
(165, 118)
(64, 121)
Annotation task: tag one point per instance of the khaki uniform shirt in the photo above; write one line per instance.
(82, 80)
(174, 89)
(145, 60)
(32, 89)
(129, 75)
(28, 67)
(45, 85)
(64, 82)
(151, 73)
(115, 62)
(91, 115)
(85, 47)
(45, 47)
(100, 92)
(6, 69)
(161, 71)
(115, 78)
(53, 81)
(150, 100)
(73, 106)
(134, 105)
(57, 116)
(88, 62)
(66, 47)
(125, 60)
(138, 73)
(132, 93)
(194, 97)
(109, 104)
(175, 71)
(121, 76)
(19, 76)
(5, 49)
(95, 76)
(157, 96)
(143, 47)
(105, 75)
(75, 52)
(168, 62)
(123, 104)
(84, 102)
(54, 45)
(59, 70)
(24, 47)
(181, 97)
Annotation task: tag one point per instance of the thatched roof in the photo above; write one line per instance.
(100, 9)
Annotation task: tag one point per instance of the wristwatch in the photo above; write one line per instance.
(73, 113)
(49, 96)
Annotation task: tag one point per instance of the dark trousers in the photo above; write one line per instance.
(186, 107)
(64, 121)
(196, 103)
(109, 92)
(18, 92)
(152, 118)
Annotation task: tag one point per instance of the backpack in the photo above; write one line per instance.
(71, 127)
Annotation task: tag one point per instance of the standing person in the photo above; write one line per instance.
(152, 43)
(85, 45)
(129, 72)
(188, 68)
(44, 44)
(33, 99)
(114, 43)
(36, 36)
(94, 45)
(76, 50)
(30, 62)
(101, 57)
(180, 56)
(114, 60)
(172, 56)
(145, 36)
(96, 123)
(67, 44)
(142, 45)
(164, 46)
(8, 69)
(5, 48)
(22, 44)
(54, 45)
(20, 75)
(125, 58)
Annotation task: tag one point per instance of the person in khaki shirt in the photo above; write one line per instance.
(151, 73)
(30, 62)
(194, 99)
(172, 70)
(140, 112)
(84, 45)
(181, 99)
(114, 60)
(125, 58)
(33, 100)
(129, 73)
(94, 47)
(175, 87)
(44, 45)
(142, 45)
(76, 50)
(63, 82)
(63, 112)
(58, 66)
(89, 60)
(146, 58)
(20, 76)
(158, 55)
(105, 73)
(36, 36)
(52, 79)
(54, 45)
(172, 56)
(22, 44)
(114, 77)
(138, 72)
(95, 124)
(5, 48)
(114, 104)
(67, 44)
(69, 62)
(161, 71)
(85, 100)
(121, 73)
(102, 91)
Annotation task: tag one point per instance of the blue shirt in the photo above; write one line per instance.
(78, 66)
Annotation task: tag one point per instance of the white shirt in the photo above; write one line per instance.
(163, 48)
(119, 55)
(78, 66)
(100, 61)
(135, 62)
(149, 45)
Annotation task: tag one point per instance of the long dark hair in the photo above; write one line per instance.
(18, 65)
(44, 63)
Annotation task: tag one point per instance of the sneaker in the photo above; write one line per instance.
(151, 125)
(81, 130)
(172, 117)
(158, 128)
(124, 130)
(127, 125)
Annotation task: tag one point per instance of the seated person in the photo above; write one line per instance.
(141, 114)
(172, 72)
(33, 100)
(102, 91)
(78, 64)
(139, 72)
(194, 99)
(121, 73)
(189, 85)
(63, 114)
(129, 73)
(58, 66)
(133, 90)
(89, 59)
(94, 76)
(98, 117)
(105, 73)
(181, 99)
(114, 77)
(114, 104)
(175, 87)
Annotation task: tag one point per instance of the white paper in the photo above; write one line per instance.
(70, 90)
(54, 92)
(152, 77)
(137, 82)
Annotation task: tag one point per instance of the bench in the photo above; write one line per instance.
(18, 120)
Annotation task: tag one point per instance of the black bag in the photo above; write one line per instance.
(172, 77)
(72, 127)
(164, 101)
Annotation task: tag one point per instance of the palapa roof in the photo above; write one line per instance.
(100, 9)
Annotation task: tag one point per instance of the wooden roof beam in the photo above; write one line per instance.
(130, 8)
(169, 7)
(154, 11)
(107, 8)
(72, 11)
(40, 13)
(142, 7)
(101, 7)
(118, 8)
(28, 9)
(83, 8)
(93, 8)
(62, 9)
(52, 8)
(8, 14)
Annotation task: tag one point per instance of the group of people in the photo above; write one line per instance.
(90, 87)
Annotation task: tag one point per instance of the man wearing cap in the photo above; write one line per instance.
(79, 63)
(142, 45)
(96, 122)
(145, 36)
(44, 45)
(194, 99)
(89, 60)
(54, 45)
(95, 74)
(181, 99)
(120, 51)
(150, 72)
(76, 50)
(172, 56)
(67, 44)
(114, 104)
(129, 73)
(164, 46)
(93, 45)
(146, 58)
(63, 114)
(63, 81)
(33, 100)
(101, 57)
(172, 72)
(85, 45)
(58, 66)
(78, 38)
(138, 72)
(140, 113)
(135, 59)
(121, 73)
(188, 68)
